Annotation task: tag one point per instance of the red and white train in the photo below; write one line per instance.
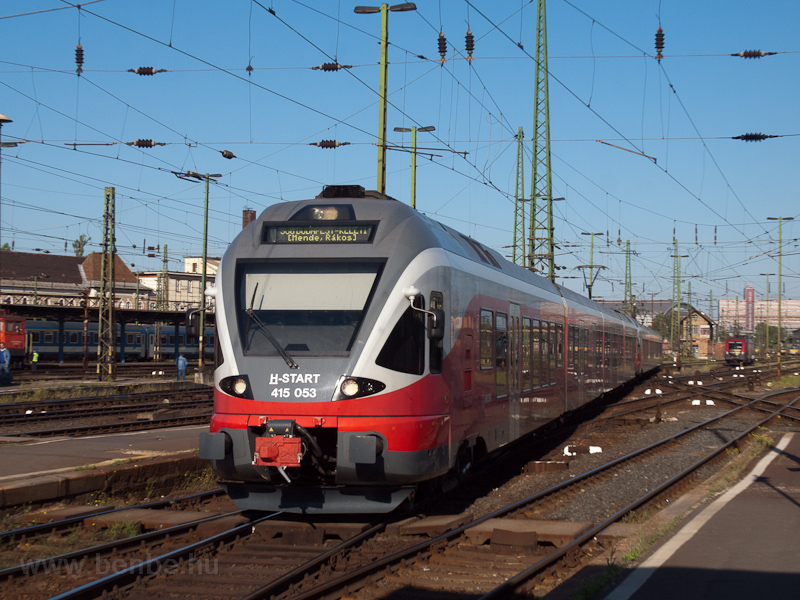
(740, 351)
(363, 348)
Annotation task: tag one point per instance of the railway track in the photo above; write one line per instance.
(484, 550)
(195, 516)
(90, 415)
(73, 371)
(144, 424)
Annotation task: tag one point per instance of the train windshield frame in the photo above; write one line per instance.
(735, 346)
(307, 308)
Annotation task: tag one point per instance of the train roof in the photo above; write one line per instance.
(418, 232)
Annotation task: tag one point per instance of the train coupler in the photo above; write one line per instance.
(278, 451)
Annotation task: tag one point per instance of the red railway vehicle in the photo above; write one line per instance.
(364, 349)
(12, 334)
(740, 351)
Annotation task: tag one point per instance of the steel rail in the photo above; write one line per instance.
(348, 578)
(43, 528)
(514, 582)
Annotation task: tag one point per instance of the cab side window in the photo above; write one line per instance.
(404, 350)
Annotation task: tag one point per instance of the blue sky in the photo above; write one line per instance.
(681, 172)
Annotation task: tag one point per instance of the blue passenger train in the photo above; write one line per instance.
(134, 342)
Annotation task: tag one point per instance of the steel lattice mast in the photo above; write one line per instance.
(106, 327)
(676, 302)
(541, 249)
(628, 280)
(518, 249)
(162, 302)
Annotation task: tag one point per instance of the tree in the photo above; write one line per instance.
(663, 324)
(79, 244)
(5, 247)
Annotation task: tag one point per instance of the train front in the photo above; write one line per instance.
(323, 399)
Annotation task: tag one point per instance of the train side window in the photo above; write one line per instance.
(584, 350)
(436, 346)
(219, 358)
(536, 352)
(571, 346)
(544, 342)
(487, 334)
(129, 337)
(36, 337)
(552, 348)
(404, 350)
(526, 353)
(48, 337)
(501, 355)
(559, 344)
(73, 337)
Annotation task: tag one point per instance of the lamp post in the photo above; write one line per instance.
(766, 341)
(414, 131)
(3, 120)
(384, 10)
(780, 221)
(202, 333)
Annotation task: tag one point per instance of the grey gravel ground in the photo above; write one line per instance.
(607, 497)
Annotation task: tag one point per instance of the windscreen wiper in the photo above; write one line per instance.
(251, 316)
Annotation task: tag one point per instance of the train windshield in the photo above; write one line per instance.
(302, 308)
(735, 346)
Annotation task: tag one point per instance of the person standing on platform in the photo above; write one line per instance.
(181, 362)
(34, 359)
(5, 359)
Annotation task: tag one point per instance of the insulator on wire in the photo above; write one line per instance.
(331, 67)
(329, 144)
(753, 54)
(442, 47)
(228, 154)
(79, 59)
(145, 143)
(146, 71)
(659, 44)
(470, 44)
(754, 137)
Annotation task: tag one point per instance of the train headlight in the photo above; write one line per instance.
(349, 387)
(356, 387)
(239, 386)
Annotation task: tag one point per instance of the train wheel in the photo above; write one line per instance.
(463, 462)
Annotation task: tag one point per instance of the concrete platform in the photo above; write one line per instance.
(36, 470)
(744, 545)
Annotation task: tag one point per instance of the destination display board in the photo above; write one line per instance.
(328, 233)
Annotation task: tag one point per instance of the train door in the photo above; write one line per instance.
(515, 362)
(580, 361)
